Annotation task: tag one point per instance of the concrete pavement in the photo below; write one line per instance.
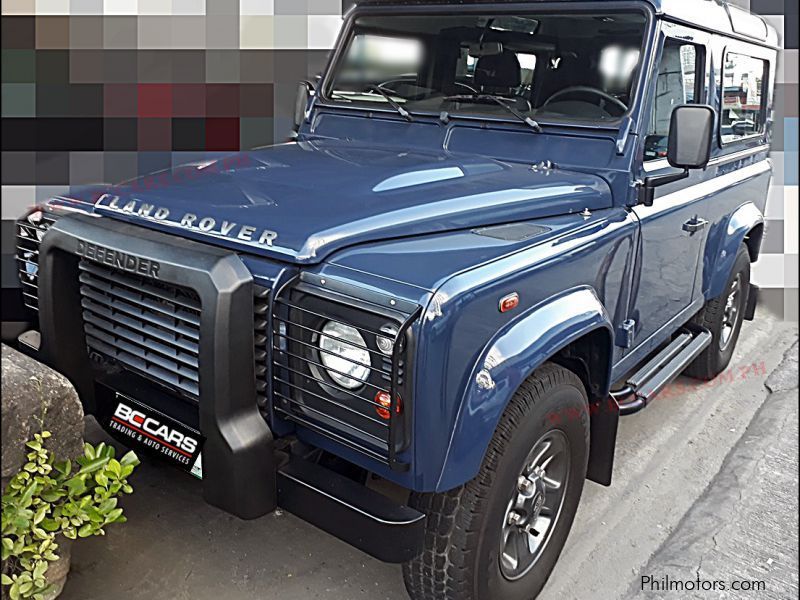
(742, 531)
(176, 547)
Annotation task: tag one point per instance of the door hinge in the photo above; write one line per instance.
(626, 333)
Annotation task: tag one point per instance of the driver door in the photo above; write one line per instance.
(673, 229)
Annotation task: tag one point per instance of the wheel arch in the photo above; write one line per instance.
(752, 240)
(572, 330)
(744, 226)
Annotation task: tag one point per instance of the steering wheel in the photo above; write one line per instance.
(587, 90)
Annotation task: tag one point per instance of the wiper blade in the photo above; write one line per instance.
(500, 101)
(392, 102)
(340, 96)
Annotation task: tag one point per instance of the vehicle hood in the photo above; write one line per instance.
(302, 201)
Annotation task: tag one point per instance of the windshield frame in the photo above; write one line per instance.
(323, 97)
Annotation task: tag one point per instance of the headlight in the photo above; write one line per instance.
(341, 352)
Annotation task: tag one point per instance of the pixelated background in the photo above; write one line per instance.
(104, 90)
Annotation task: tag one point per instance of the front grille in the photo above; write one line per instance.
(30, 232)
(147, 326)
(304, 392)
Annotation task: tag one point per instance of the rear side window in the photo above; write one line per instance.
(680, 81)
(743, 106)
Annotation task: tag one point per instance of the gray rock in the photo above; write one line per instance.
(34, 397)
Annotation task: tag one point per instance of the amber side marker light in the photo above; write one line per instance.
(509, 302)
(385, 401)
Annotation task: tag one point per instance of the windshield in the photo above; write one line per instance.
(572, 66)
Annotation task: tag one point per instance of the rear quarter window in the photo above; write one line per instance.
(743, 102)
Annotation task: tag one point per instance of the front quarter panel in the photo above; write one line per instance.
(571, 283)
(506, 362)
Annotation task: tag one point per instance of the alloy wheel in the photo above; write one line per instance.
(731, 313)
(535, 504)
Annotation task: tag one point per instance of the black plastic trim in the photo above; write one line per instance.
(353, 292)
(238, 462)
(13, 306)
(752, 302)
(352, 512)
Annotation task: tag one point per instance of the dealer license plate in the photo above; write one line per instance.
(144, 427)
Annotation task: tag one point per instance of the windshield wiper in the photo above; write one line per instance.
(392, 102)
(500, 101)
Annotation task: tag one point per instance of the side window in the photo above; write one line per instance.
(680, 81)
(743, 107)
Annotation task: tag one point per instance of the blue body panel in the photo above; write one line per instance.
(511, 352)
(731, 233)
(357, 194)
(369, 199)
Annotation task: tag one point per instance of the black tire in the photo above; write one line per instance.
(715, 316)
(464, 528)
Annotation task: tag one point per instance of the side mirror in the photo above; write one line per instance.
(305, 92)
(691, 131)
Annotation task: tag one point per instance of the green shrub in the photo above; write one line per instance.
(46, 498)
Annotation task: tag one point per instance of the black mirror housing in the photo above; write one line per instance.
(691, 131)
(690, 135)
(305, 91)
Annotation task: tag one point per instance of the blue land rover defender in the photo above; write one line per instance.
(497, 227)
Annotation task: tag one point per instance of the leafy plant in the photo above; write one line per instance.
(76, 499)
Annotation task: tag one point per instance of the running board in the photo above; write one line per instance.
(661, 370)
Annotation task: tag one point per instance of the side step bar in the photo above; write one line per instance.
(661, 370)
(350, 511)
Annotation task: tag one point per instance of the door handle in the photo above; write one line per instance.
(694, 224)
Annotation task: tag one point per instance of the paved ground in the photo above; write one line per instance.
(743, 530)
(676, 462)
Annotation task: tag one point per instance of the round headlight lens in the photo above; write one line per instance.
(341, 343)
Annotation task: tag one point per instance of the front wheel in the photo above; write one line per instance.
(498, 536)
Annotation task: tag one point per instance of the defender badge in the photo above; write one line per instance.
(118, 259)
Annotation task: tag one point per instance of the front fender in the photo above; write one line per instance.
(506, 361)
(723, 255)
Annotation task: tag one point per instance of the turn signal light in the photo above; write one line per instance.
(385, 402)
(509, 302)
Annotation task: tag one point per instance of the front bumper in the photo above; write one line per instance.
(242, 473)
(350, 511)
(237, 455)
